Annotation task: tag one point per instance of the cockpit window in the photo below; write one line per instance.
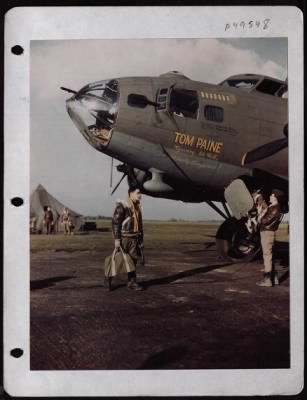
(184, 102)
(246, 84)
(269, 87)
(282, 92)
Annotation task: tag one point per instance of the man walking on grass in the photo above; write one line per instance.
(127, 227)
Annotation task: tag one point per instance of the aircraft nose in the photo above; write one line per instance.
(94, 110)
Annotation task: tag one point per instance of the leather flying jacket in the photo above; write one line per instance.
(271, 219)
(123, 222)
(48, 216)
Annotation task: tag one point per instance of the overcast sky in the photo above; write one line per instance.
(61, 159)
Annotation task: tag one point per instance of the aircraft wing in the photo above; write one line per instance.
(271, 157)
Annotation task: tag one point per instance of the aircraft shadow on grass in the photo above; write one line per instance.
(281, 254)
(180, 275)
(49, 282)
(207, 246)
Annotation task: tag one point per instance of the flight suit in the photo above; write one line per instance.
(268, 226)
(66, 219)
(48, 219)
(127, 226)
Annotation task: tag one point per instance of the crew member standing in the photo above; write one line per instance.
(268, 226)
(48, 220)
(127, 227)
(66, 221)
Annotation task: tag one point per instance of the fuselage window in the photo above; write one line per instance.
(213, 113)
(184, 103)
(162, 98)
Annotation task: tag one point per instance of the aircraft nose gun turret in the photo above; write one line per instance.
(93, 110)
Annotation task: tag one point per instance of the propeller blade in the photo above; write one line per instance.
(264, 151)
(120, 181)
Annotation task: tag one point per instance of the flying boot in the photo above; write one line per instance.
(266, 280)
(107, 284)
(133, 285)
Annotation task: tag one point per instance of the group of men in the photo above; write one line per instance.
(127, 230)
(49, 221)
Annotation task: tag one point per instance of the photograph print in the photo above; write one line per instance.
(159, 209)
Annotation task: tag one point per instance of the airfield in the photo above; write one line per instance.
(196, 312)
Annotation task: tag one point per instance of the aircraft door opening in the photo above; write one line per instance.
(168, 116)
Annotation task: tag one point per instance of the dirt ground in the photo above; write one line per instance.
(196, 312)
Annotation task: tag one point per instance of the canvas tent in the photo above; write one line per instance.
(39, 200)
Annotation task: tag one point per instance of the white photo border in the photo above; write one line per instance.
(24, 24)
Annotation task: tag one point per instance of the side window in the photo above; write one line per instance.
(184, 103)
(162, 98)
(213, 113)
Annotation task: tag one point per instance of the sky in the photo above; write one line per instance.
(61, 159)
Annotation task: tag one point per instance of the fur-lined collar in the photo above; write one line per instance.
(124, 203)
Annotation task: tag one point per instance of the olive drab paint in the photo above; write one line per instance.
(191, 137)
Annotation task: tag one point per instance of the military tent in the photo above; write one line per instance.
(39, 201)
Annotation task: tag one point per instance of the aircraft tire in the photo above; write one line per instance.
(232, 244)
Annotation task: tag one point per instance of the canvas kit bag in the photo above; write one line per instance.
(119, 262)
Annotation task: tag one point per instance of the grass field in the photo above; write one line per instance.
(158, 234)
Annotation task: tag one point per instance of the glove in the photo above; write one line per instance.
(117, 243)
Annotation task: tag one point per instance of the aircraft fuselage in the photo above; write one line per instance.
(203, 128)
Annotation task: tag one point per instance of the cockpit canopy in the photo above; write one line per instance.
(258, 83)
(100, 99)
(94, 109)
